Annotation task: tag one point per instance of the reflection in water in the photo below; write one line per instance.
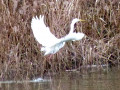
(102, 80)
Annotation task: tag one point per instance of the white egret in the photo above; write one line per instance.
(50, 43)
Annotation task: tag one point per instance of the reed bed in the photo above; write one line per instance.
(20, 55)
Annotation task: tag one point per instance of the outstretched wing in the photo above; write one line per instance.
(42, 33)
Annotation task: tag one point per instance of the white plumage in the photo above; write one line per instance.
(50, 43)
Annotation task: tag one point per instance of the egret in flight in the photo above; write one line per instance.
(50, 43)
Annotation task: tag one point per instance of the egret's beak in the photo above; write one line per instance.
(81, 20)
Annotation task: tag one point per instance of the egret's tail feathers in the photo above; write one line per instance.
(53, 49)
(45, 50)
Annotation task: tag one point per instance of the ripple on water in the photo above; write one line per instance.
(25, 81)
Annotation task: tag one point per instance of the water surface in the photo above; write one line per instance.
(72, 80)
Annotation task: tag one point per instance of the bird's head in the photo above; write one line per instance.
(72, 24)
(76, 20)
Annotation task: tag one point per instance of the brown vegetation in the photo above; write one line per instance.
(20, 55)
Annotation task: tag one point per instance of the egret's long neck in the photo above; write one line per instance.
(72, 27)
(67, 37)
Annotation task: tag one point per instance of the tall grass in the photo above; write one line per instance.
(20, 55)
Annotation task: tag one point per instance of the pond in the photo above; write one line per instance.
(70, 80)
